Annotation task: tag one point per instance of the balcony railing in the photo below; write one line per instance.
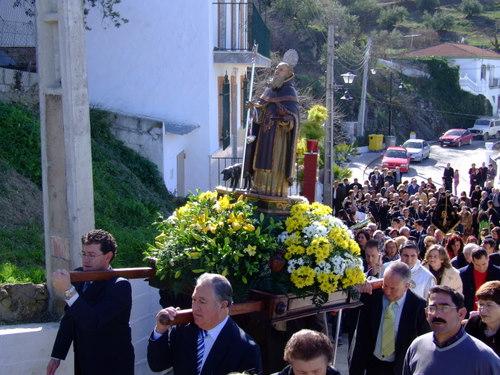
(239, 27)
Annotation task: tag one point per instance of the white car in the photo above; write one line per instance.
(418, 149)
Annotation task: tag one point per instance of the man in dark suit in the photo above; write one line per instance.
(97, 315)
(388, 322)
(213, 344)
(337, 197)
(476, 274)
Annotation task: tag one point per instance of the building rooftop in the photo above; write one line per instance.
(453, 50)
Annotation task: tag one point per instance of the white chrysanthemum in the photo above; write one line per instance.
(300, 198)
(291, 265)
(283, 236)
(315, 230)
(338, 264)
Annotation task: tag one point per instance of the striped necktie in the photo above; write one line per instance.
(388, 331)
(200, 349)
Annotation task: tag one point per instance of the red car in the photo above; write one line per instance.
(456, 137)
(396, 157)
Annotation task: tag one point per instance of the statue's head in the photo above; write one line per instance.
(282, 73)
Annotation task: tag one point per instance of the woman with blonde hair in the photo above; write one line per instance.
(391, 251)
(437, 261)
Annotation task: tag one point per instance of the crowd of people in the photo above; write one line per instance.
(433, 249)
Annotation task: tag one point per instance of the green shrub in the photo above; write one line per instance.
(471, 8)
(389, 17)
(438, 21)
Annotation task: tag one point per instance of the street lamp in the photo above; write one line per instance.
(348, 79)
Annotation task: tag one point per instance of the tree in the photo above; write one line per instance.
(471, 8)
(106, 7)
(439, 21)
(391, 16)
(427, 5)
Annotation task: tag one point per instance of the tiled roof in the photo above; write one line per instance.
(453, 50)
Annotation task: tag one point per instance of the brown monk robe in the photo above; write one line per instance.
(276, 129)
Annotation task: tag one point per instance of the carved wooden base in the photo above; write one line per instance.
(275, 206)
(279, 308)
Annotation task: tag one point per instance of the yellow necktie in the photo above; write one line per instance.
(388, 331)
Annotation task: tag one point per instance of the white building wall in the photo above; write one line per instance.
(160, 65)
(471, 68)
(26, 348)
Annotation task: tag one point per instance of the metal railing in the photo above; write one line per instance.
(240, 26)
(221, 163)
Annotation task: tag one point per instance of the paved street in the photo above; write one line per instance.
(460, 158)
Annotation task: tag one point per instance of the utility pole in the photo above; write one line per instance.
(68, 195)
(390, 103)
(329, 125)
(362, 107)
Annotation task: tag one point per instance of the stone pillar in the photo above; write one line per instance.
(65, 133)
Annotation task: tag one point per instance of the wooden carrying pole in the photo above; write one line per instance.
(129, 273)
(183, 316)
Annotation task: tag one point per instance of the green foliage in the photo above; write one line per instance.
(427, 5)
(20, 140)
(367, 11)
(459, 108)
(311, 130)
(471, 8)
(314, 127)
(340, 173)
(310, 83)
(22, 255)
(390, 16)
(128, 194)
(218, 234)
(343, 152)
(317, 114)
(438, 21)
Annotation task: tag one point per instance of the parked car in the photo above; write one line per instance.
(396, 157)
(418, 149)
(485, 127)
(456, 137)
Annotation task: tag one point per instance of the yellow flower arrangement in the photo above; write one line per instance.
(321, 253)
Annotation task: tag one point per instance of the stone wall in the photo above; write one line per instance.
(11, 79)
(23, 302)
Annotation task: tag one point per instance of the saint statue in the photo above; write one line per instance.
(276, 131)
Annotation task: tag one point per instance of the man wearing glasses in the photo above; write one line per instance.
(448, 349)
(389, 320)
(96, 318)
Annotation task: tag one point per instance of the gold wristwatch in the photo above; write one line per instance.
(70, 292)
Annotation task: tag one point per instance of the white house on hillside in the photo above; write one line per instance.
(479, 68)
(176, 75)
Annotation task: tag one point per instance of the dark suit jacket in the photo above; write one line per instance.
(233, 351)
(467, 275)
(412, 324)
(98, 325)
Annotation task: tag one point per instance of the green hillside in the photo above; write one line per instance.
(127, 209)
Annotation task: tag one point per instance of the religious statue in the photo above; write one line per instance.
(276, 130)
